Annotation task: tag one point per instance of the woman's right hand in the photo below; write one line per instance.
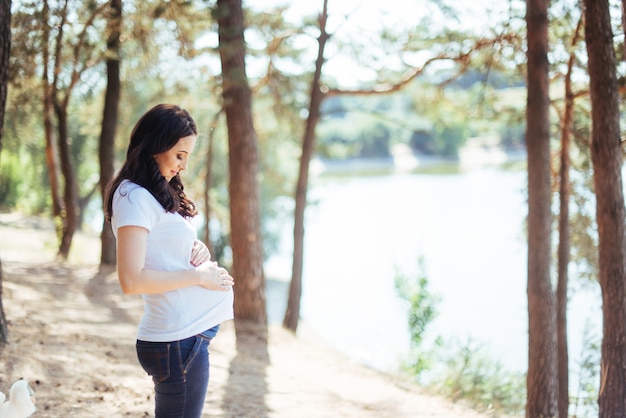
(214, 277)
(199, 253)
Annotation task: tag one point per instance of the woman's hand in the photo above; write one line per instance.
(132, 273)
(199, 253)
(214, 277)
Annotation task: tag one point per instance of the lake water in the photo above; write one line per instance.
(469, 228)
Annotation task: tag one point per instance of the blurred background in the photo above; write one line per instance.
(417, 185)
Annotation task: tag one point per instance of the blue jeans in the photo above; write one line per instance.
(180, 372)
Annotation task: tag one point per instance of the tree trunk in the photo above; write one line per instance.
(624, 26)
(5, 53)
(292, 314)
(208, 184)
(606, 156)
(4, 328)
(542, 345)
(70, 193)
(564, 235)
(70, 214)
(5, 50)
(48, 113)
(564, 253)
(106, 151)
(243, 166)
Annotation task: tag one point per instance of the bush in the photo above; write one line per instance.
(422, 311)
(9, 181)
(471, 374)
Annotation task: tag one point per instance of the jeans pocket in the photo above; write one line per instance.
(154, 358)
(195, 346)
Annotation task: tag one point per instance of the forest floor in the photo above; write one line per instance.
(72, 330)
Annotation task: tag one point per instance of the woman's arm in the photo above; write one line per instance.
(135, 278)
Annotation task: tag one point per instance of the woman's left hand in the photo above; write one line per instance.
(199, 253)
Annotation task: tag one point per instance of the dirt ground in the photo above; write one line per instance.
(72, 331)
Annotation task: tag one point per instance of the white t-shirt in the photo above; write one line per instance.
(176, 314)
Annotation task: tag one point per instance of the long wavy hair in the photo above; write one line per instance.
(158, 130)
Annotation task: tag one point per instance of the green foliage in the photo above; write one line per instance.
(370, 127)
(279, 158)
(9, 180)
(422, 303)
(354, 136)
(583, 226)
(422, 312)
(585, 401)
(467, 373)
(85, 133)
(512, 135)
(449, 137)
(470, 374)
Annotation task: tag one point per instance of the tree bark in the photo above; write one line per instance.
(606, 156)
(542, 345)
(208, 184)
(243, 166)
(563, 256)
(70, 191)
(48, 114)
(563, 252)
(292, 314)
(5, 51)
(624, 26)
(70, 213)
(106, 150)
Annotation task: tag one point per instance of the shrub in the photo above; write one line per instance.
(422, 311)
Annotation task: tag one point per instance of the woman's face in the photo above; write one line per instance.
(174, 160)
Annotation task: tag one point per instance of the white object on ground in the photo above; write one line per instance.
(21, 403)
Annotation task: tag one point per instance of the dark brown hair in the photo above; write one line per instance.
(157, 131)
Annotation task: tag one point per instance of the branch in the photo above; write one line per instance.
(463, 58)
(272, 50)
(57, 52)
(385, 88)
(76, 69)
